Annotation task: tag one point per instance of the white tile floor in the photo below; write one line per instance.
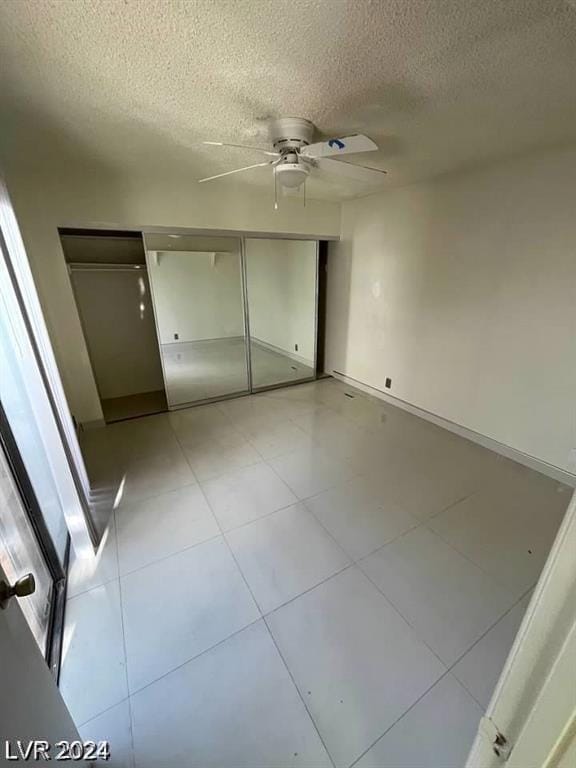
(199, 370)
(299, 578)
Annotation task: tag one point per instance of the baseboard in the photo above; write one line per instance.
(283, 352)
(557, 473)
(215, 339)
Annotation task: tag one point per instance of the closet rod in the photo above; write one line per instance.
(95, 267)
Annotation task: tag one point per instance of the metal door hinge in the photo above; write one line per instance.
(500, 744)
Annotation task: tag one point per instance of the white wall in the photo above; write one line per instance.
(118, 323)
(43, 203)
(282, 294)
(197, 295)
(463, 291)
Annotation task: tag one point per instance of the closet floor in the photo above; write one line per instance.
(133, 406)
(306, 577)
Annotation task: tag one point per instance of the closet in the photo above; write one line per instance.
(173, 319)
(109, 278)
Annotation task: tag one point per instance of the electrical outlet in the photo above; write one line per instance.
(388, 383)
(176, 336)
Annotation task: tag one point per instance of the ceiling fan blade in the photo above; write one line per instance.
(340, 146)
(241, 146)
(237, 170)
(351, 171)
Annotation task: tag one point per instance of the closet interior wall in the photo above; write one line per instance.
(111, 287)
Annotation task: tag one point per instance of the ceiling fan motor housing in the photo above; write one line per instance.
(288, 135)
(291, 133)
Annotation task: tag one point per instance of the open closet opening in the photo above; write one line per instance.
(109, 278)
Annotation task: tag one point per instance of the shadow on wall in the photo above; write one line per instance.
(461, 290)
(38, 167)
(338, 301)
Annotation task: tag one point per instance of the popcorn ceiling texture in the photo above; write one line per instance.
(132, 86)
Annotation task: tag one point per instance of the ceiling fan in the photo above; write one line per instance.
(294, 157)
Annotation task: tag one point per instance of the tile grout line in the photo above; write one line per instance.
(103, 712)
(262, 618)
(171, 554)
(196, 656)
(310, 589)
(354, 562)
(496, 581)
(121, 508)
(303, 499)
(301, 502)
(329, 533)
(490, 628)
(220, 474)
(207, 500)
(451, 666)
(280, 654)
(223, 534)
(410, 708)
(132, 749)
(145, 565)
(397, 610)
(419, 524)
(449, 672)
(251, 522)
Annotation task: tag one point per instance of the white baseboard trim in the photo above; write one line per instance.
(283, 352)
(177, 342)
(557, 473)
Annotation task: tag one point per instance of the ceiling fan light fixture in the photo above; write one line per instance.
(295, 158)
(291, 175)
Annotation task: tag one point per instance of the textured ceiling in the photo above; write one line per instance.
(135, 85)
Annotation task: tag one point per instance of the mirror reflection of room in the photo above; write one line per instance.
(197, 289)
(281, 281)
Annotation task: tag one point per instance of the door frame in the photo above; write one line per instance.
(530, 712)
(58, 571)
(57, 429)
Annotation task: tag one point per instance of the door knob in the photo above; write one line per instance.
(24, 586)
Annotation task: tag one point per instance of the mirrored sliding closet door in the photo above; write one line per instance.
(197, 291)
(282, 298)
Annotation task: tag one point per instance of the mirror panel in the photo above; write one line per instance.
(196, 286)
(281, 284)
